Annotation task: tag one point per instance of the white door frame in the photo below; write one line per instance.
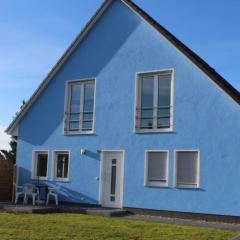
(101, 175)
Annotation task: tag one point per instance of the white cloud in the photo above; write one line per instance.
(4, 139)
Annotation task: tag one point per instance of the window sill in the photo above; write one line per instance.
(40, 178)
(165, 130)
(78, 133)
(187, 187)
(65, 180)
(156, 186)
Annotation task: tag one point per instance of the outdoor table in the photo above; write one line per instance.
(43, 187)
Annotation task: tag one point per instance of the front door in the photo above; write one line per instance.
(112, 179)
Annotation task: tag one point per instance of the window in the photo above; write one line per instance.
(156, 169)
(79, 115)
(154, 102)
(187, 169)
(40, 165)
(61, 165)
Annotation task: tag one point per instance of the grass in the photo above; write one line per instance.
(85, 227)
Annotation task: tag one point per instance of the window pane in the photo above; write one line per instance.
(163, 122)
(164, 100)
(147, 123)
(147, 84)
(113, 180)
(147, 113)
(157, 166)
(163, 117)
(164, 112)
(74, 107)
(42, 159)
(87, 126)
(187, 164)
(88, 117)
(62, 165)
(88, 97)
(74, 117)
(164, 90)
(147, 92)
(88, 106)
(75, 98)
(87, 121)
(73, 126)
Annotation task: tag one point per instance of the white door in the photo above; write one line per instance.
(112, 179)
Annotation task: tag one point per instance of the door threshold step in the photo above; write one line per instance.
(107, 212)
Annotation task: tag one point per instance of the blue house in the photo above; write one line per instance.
(131, 117)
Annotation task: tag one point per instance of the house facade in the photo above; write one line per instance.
(130, 117)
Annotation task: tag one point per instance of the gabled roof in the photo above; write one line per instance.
(200, 63)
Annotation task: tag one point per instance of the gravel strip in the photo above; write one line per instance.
(185, 222)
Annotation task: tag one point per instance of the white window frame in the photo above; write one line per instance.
(54, 165)
(34, 164)
(67, 106)
(137, 104)
(155, 184)
(176, 185)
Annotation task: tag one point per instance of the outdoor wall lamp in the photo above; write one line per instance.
(83, 151)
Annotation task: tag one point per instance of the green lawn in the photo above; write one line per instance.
(76, 226)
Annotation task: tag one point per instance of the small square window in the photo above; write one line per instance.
(40, 165)
(187, 169)
(61, 165)
(156, 169)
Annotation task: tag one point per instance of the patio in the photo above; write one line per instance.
(20, 208)
(63, 208)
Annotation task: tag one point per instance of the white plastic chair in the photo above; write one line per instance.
(53, 191)
(30, 190)
(18, 192)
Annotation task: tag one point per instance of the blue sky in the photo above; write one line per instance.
(34, 34)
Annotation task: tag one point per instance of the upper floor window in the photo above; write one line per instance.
(79, 115)
(154, 108)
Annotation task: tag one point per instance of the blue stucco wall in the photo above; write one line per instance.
(205, 118)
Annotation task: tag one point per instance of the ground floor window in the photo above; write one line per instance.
(61, 165)
(187, 169)
(40, 165)
(156, 168)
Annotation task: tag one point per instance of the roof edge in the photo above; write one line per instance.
(209, 71)
(13, 125)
